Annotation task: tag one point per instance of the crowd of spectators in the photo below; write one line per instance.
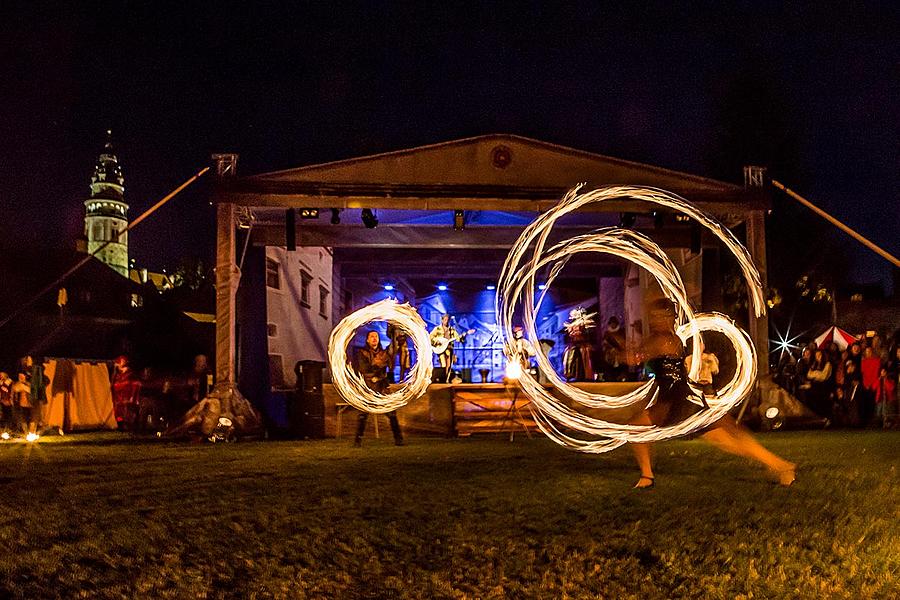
(145, 402)
(858, 386)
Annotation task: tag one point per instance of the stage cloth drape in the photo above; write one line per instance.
(78, 396)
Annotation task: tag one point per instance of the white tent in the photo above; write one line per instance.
(79, 396)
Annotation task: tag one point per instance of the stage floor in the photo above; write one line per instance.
(452, 410)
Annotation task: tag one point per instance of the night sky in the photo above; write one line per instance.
(811, 92)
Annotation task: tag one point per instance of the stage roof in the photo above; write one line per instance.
(498, 172)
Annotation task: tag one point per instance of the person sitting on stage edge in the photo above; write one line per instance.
(372, 362)
(663, 352)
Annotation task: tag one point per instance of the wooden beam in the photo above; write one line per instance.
(759, 327)
(418, 236)
(319, 194)
(226, 289)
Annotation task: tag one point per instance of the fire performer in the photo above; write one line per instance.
(372, 366)
(663, 353)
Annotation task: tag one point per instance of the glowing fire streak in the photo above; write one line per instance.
(351, 386)
(516, 285)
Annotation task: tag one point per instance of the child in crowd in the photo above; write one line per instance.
(7, 418)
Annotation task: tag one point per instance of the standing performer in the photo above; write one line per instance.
(399, 349)
(613, 346)
(126, 392)
(522, 349)
(443, 337)
(577, 357)
(372, 366)
(663, 354)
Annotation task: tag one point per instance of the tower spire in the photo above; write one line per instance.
(106, 213)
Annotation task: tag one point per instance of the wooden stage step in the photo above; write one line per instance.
(490, 408)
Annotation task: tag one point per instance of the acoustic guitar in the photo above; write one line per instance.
(440, 344)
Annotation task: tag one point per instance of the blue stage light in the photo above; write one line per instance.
(442, 287)
(542, 286)
(388, 287)
(492, 287)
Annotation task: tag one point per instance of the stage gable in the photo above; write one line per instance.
(497, 160)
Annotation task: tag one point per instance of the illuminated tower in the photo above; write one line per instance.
(105, 212)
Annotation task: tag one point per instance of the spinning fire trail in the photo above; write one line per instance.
(516, 287)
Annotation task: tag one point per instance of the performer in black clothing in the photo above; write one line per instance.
(663, 353)
(372, 366)
(399, 349)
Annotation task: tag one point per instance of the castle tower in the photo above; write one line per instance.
(105, 212)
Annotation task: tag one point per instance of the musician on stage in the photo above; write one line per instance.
(399, 349)
(446, 333)
(577, 357)
(521, 348)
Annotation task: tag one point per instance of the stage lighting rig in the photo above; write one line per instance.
(309, 213)
(369, 219)
(627, 220)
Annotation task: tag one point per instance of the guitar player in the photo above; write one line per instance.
(446, 333)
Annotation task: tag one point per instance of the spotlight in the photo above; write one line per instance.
(335, 216)
(388, 287)
(309, 213)
(4, 435)
(369, 219)
(542, 286)
(31, 437)
(459, 220)
(442, 287)
(627, 220)
(491, 288)
(513, 370)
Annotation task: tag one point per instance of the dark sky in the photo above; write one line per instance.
(812, 92)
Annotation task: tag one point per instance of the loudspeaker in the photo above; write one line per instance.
(696, 239)
(439, 375)
(290, 229)
(466, 375)
(306, 414)
(309, 375)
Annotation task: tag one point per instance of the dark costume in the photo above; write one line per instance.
(577, 356)
(372, 366)
(399, 349)
(676, 401)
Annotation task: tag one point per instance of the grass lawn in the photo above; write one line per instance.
(105, 516)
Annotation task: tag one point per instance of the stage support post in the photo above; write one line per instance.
(226, 290)
(759, 326)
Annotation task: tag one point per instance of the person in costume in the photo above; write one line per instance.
(126, 392)
(446, 333)
(372, 362)
(577, 356)
(398, 350)
(663, 355)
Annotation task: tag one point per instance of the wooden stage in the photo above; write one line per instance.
(454, 410)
